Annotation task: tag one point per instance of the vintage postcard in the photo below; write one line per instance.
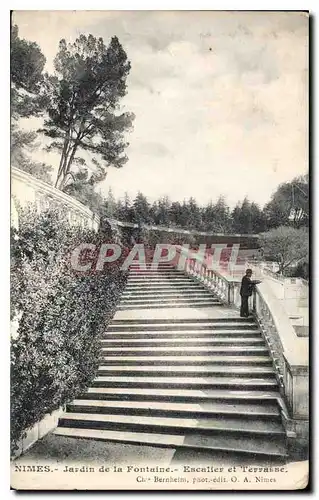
(159, 250)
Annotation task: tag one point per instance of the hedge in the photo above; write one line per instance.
(55, 353)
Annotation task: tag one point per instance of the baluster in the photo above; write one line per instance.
(216, 283)
(195, 269)
(210, 279)
(198, 269)
(203, 273)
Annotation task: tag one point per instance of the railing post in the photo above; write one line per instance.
(230, 293)
(254, 301)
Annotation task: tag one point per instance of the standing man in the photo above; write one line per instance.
(246, 290)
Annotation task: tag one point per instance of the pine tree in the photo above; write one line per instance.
(83, 109)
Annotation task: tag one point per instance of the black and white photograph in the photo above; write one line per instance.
(159, 252)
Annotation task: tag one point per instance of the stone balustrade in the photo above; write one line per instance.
(26, 190)
(288, 351)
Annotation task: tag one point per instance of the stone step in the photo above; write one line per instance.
(171, 290)
(180, 326)
(230, 383)
(191, 360)
(174, 279)
(173, 351)
(165, 295)
(186, 334)
(167, 306)
(251, 396)
(211, 425)
(260, 447)
(203, 409)
(187, 371)
(169, 277)
(155, 272)
(160, 270)
(161, 292)
(152, 279)
(187, 283)
(170, 300)
(194, 342)
(149, 290)
(151, 265)
(182, 321)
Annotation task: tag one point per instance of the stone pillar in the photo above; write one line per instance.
(296, 382)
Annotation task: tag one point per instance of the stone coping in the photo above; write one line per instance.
(45, 188)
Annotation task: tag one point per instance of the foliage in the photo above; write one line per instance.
(82, 188)
(289, 205)
(27, 64)
(286, 245)
(55, 353)
(247, 218)
(22, 142)
(83, 110)
(216, 217)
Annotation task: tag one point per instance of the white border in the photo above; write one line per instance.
(310, 5)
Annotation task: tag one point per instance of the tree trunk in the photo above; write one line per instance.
(64, 155)
(68, 158)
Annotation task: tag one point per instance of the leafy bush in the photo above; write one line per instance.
(55, 354)
(299, 271)
(287, 245)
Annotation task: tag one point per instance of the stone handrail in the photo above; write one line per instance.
(26, 189)
(263, 270)
(288, 351)
(180, 230)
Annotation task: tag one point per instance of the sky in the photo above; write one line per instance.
(220, 98)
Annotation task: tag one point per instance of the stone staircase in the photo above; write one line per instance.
(164, 287)
(170, 376)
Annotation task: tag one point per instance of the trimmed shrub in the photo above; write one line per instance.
(55, 352)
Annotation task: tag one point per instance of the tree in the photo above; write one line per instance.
(163, 212)
(286, 245)
(27, 64)
(83, 190)
(242, 218)
(125, 209)
(141, 209)
(258, 220)
(289, 205)
(21, 142)
(247, 218)
(111, 206)
(83, 109)
(176, 214)
(194, 214)
(220, 216)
